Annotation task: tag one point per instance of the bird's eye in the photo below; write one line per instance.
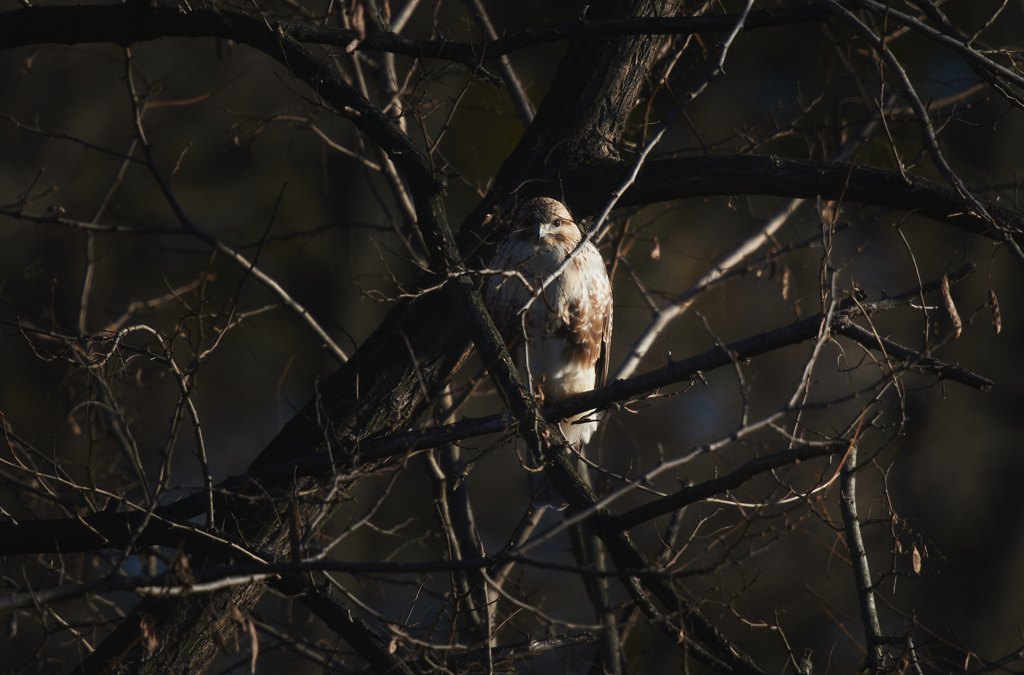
(557, 222)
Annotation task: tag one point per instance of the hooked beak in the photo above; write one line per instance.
(543, 229)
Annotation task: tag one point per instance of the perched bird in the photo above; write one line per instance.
(562, 340)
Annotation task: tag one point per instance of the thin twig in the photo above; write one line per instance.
(524, 107)
(927, 131)
(208, 238)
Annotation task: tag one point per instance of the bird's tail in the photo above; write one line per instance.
(546, 495)
(578, 433)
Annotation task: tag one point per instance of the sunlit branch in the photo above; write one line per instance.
(859, 558)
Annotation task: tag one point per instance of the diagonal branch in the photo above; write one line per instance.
(687, 177)
(859, 559)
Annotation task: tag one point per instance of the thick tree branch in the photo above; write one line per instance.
(721, 485)
(687, 177)
(126, 24)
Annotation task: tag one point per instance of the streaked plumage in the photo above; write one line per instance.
(568, 329)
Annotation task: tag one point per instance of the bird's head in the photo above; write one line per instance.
(546, 221)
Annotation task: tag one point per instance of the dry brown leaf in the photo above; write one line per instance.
(77, 430)
(148, 636)
(827, 210)
(358, 23)
(254, 644)
(997, 318)
(181, 570)
(915, 558)
(958, 325)
(655, 249)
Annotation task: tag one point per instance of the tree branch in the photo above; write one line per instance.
(687, 177)
(859, 559)
(128, 23)
(349, 626)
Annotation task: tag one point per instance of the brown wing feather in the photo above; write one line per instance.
(600, 310)
(606, 347)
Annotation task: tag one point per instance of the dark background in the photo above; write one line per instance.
(952, 475)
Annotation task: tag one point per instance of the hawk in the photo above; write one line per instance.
(566, 332)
